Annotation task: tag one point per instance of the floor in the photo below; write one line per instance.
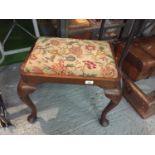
(70, 109)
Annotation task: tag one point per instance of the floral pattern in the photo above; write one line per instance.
(90, 47)
(65, 56)
(76, 51)
(90, 64)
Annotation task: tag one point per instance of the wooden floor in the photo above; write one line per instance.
(70, 109)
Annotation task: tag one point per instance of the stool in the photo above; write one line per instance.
(70, 61)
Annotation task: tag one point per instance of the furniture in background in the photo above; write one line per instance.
(140, 61)
(89, 28)
(76, 28)
(143, 103)
(70, 61)
(112, 29)
(138, 64)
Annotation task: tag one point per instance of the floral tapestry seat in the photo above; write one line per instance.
(71, 57)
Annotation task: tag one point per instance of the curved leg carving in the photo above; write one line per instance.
(115, 97)
(24, 90)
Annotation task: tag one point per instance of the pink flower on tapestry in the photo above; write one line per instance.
(90, 47)
(76, 51)
(90, 64)
(33, 57)
(109, 72)
(55, 42)
(59, 67)
(37, 70)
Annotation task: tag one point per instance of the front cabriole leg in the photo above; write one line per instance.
(115, 96)
(24, 90)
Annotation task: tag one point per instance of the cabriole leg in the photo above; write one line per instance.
(115, 97)
(24, 90)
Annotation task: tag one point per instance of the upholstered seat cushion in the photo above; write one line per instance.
(71, 57)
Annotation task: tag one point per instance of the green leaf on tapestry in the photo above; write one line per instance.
(52, 57)
(44, 51)
(47, 68)
(47, 58)
(44, 60)
(89, 75)
(44, 40)
(110, 63)
(109, 55)
(87, 41)
(47, 44)
(99, 63)
(101, 48)
(27, 70)
(69, 65)
(39, 62)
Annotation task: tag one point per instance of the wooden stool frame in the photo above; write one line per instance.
(28, 82)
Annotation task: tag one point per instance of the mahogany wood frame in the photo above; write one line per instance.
(28, 82)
